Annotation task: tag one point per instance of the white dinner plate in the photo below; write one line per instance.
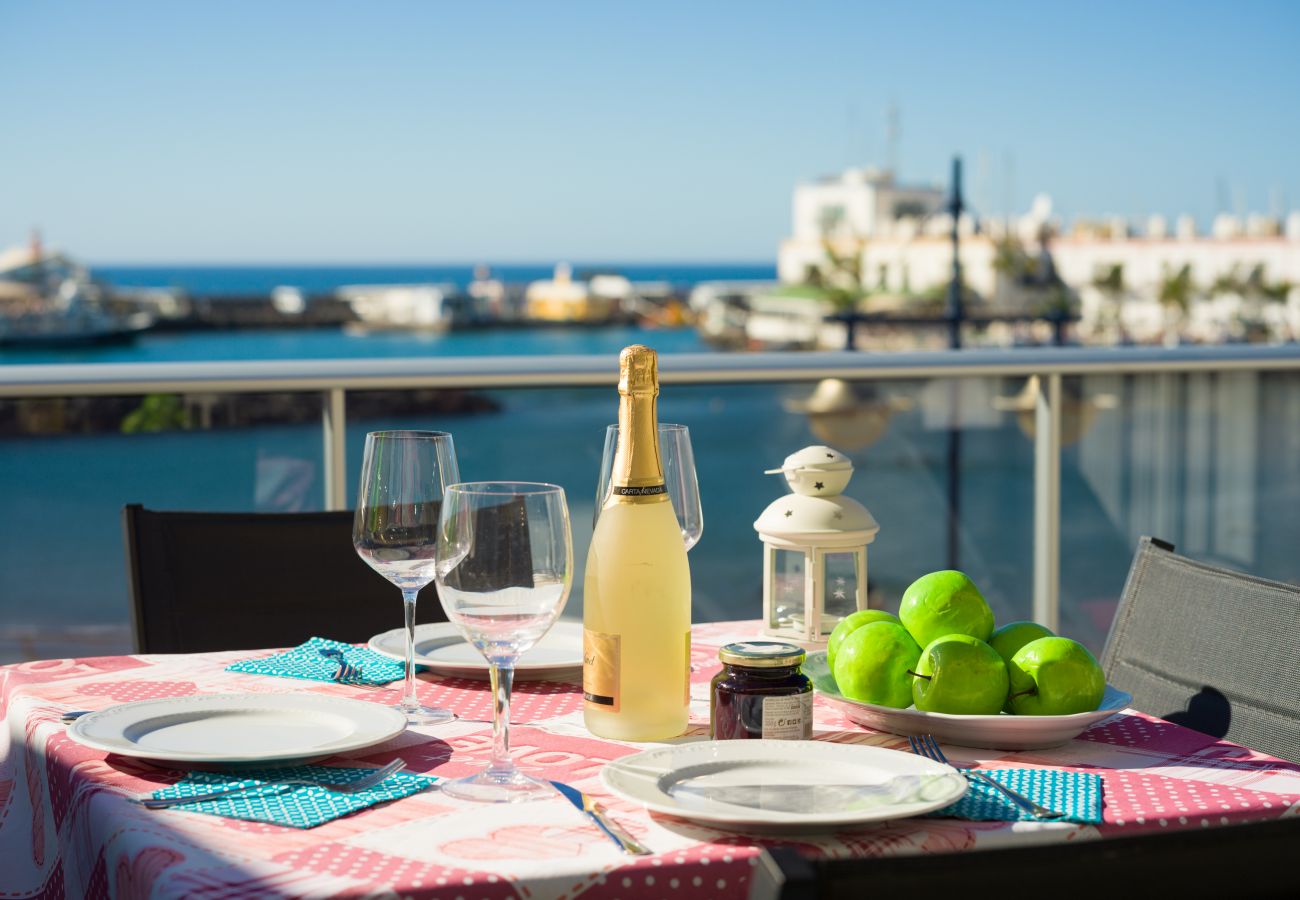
(227, 729)
(1002, 731)
(442, 648)
(783, 785)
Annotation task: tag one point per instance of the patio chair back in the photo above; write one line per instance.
(203, 581)
(1209, 648)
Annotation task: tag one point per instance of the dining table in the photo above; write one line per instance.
(68, 826)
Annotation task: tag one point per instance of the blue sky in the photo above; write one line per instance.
(428, 132)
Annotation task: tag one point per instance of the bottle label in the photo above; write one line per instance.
(652, 490)
(600, 659)
(788, 718)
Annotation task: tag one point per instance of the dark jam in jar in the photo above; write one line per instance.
(761, 693)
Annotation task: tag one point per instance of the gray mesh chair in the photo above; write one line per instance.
(1209, 648)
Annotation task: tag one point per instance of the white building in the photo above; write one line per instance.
(901, 236)
(858, 204)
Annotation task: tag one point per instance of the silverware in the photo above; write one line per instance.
(347, 674)
(596, 813)
(357, 785)
(73, 715)
(926, 746)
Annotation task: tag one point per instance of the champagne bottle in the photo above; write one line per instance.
(637, 592)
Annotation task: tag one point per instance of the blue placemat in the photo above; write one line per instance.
(1077, 794)
(297, 806)
(305, 661)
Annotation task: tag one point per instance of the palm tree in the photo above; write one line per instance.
(1177, 291)
(842, 284)
(1110, 283)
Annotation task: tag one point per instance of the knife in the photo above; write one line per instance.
(592, 809)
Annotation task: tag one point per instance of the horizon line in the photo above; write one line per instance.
(436, 264)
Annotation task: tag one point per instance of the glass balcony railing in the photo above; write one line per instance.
(1032, 471)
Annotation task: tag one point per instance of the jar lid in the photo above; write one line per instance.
(761, 654)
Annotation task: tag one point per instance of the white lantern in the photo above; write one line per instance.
(814, 548)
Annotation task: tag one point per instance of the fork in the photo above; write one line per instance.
(365, 782)
(347, 674)
(926, 746)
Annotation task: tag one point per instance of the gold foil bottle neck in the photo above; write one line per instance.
(638, 475)
(638, 370)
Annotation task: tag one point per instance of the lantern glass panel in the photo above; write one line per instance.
(788, 573)
(841, 582)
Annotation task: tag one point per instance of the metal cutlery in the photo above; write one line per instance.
(596, 813)
(365, 782)
(73, 715)
(926, 746)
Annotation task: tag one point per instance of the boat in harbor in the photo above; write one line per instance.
(48, 300)
(416, 308)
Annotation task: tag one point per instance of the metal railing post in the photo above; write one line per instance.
(1047, 501)
(334, 421)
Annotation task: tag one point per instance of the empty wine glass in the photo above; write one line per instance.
(395, 530)
(505, 568)
(678, 460)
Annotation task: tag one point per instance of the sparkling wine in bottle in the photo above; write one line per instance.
(637, 590)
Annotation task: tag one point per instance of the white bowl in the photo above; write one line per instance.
(1001, 732)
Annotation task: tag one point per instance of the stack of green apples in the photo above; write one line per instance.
(942, 654)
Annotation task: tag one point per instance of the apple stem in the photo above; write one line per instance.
(918, 675)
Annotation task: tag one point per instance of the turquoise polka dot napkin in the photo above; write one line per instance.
(305, 661)
(297, 806)
(1077, 794)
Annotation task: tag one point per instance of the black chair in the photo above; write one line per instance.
(1250, 860)
(245, 581)
(1209, 648)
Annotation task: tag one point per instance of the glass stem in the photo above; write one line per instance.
(502, 678)
(409, 702)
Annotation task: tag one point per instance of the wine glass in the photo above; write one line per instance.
(678, 460)
(395, 530)
(505, 568)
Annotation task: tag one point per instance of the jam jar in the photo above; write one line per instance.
(761, 693)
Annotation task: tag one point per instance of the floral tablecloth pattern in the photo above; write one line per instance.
(66, 828)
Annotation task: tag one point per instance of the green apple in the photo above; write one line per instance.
(960, 674)
(851, 623)
(943, 603)
(1014, 635)
(872, 664)
(1055, 676)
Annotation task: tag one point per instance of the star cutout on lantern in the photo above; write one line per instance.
(819, 485)
(840, 582)
(839, 595)
(830, 455)
(789, 513)
(839, 515)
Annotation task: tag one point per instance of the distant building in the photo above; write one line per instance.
(900, 237)
(562, 299)
(860, 203)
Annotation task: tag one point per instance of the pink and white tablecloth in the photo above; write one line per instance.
(66, 828)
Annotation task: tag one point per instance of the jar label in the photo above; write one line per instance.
(600, 659)
(788, 718)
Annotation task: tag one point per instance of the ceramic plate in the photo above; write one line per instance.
(1002, 732)
(441, 648)
(783, 785)
(238, 728)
